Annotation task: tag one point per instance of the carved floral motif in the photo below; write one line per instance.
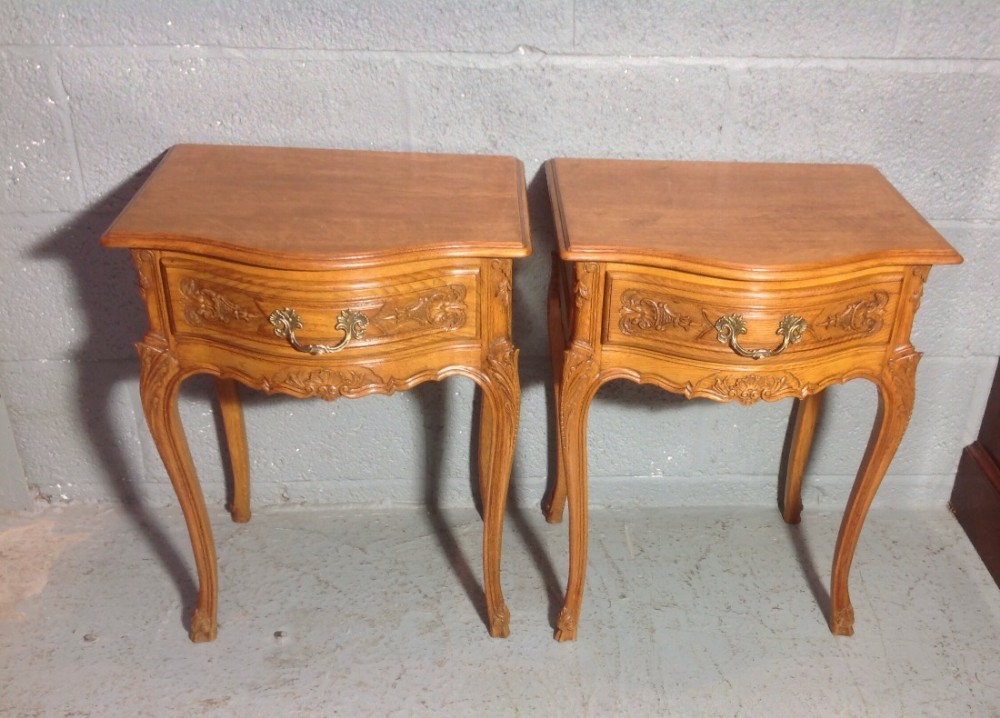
(919, 273)
(865, 316)
(329, 384)
(205, 304)
(145, 264)
(504, 287)
(639, 313)
(578, 376)
(442, 308)
(156, 365)
(501, 364)
(902, 370)
(747, 388)
(584, 282)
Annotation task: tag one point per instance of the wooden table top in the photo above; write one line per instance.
(322, 209)
(737, 220)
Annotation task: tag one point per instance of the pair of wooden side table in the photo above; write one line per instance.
(336, 274)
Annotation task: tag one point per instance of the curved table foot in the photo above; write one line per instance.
(500, 621)
(566, 626)
(552, 509)
(203, 626)
(842, 621)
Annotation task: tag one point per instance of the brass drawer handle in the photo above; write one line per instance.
(286, 321)
(730, 327)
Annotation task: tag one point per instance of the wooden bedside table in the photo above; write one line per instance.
(325, 273)
(734, 282)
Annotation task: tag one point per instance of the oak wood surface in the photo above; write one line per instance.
(741, 220)
(319, 208)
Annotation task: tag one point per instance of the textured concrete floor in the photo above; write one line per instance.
(331, 612)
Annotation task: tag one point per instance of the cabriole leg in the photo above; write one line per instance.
(231, 410)
(896, 393)
(555, 501)
(498, 431)
(578, 387)
(159, 383)
(803, 429)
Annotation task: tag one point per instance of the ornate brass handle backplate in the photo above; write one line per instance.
(730, 327)
(286, 321)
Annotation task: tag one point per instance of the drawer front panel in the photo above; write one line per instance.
(221, 303)
(663, 309)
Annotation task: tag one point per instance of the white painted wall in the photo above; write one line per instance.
(92, 92)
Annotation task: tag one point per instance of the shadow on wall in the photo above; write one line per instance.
(531, 371)
(115, 318)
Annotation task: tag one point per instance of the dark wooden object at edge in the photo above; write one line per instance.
(975, 498)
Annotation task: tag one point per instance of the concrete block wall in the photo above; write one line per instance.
(91, 93)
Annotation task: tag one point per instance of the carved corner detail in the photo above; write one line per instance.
(578, 372)
(902, 371)
(501, 363)
(145, 266)
(157, 365)
(919, 273)
(578, 376)
(504, 285)
(586, 274)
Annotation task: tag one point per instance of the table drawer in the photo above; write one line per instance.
(732, 321)
(291, 312)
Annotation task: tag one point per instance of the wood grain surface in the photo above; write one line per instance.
(739, 220)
